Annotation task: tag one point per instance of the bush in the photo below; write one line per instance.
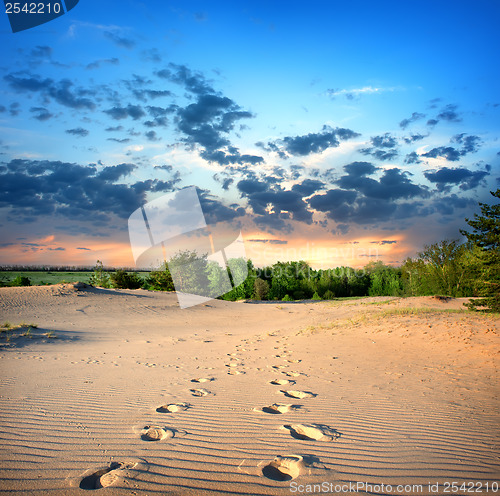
(328, 295)
(99, 277)
(261, 289)
(160, 280)
(20, 281)
(316, 296)
(287, 298)
(123, 280)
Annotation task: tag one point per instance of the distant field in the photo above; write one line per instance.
(38, 278)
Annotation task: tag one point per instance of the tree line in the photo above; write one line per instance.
(448, 268)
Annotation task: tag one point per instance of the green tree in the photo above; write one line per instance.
(486, 236)
(99, 278)
(261, 289)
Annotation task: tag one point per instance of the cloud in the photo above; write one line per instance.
(152, 136)
(356, 92)
(470, 144)
(384, 242)
(119, 140)
(215, 211)
(449, 113)
(79, 132)
(223, 158)
(115, 128)
(34, 188)
(14, 109)
(308, 186)
(449, 153)
(83, 248)
(445, 178)
(312, 142)
(98, 63)
(42, 52)
(194, 82)
(270, 241)
(412, 158)
(206, 121)
(383, 147)
(133, 111)
(120, 40)
(41, 113)
(414, 137)
(61, 91)
(415, 116)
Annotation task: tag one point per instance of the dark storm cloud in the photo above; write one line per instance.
(194, 82)
(41, 113)
(312, 142)
(98, 63)
(118, 113)
(414, 117)
(61, 91)
(78, 131)
(31, 188)
(449, 153)
(445, 178)
(119, 40)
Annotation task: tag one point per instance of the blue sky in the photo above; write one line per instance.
(334, 132)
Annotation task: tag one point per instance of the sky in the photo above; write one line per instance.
(333, 132)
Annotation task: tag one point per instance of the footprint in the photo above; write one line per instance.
(104, 477)
(282, 382)
(292, 374)
(284, 468)
(277, 408)
(173, 408)
(203, 379)
(200, 392)
(294, 361)
(312, 432)
(155, 433)
(298, 394)
(234, 372)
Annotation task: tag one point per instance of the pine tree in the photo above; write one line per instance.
(486, 235)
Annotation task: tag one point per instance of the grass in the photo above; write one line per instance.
(10, 331)
(419, 311)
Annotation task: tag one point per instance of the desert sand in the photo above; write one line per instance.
(128, 394)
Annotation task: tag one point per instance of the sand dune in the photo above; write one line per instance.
(136, 396)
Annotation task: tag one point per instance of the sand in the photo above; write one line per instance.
(130, 394)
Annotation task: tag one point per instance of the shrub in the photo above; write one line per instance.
(328, 295)
(287, 298)
(99, 277)
(316, 296)
(21, 281)
(160, 280)
(124, 280)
